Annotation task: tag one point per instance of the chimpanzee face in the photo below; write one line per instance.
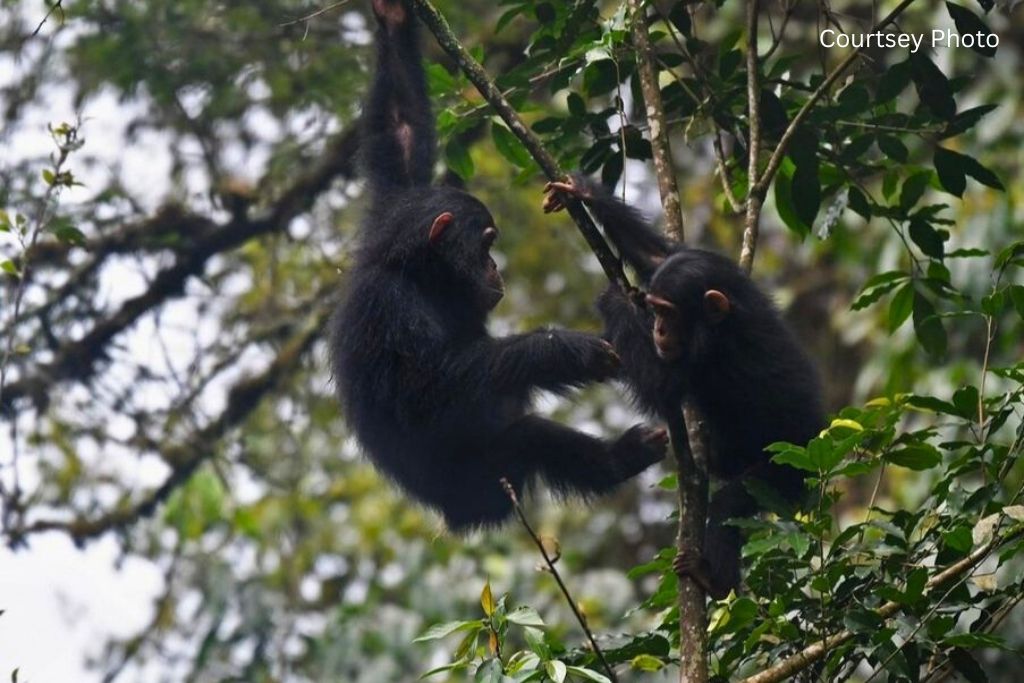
(463, 236)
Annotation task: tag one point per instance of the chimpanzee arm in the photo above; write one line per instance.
(658, 388)
(398, 123)
(638, 242)
(542, 359)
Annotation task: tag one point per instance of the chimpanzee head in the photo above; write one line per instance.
(443, 236)
(691, 294)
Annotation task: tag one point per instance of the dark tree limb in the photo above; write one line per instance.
(437, 25)
(186, 456)
(79, 359)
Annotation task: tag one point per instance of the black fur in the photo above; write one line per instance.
(747, 374)
(438, 405)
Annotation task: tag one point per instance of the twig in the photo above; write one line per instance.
(56, 7)
(511, 493)
(780, 150)
(817, 651)
(437, 25)
(660, 147)
(314, 15)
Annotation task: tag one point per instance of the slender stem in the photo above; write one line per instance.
(511, 493)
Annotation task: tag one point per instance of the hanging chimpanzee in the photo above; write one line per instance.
(706, 333)
(439, 405)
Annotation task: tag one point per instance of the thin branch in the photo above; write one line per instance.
(314, 15)
(511, 493)
(755, 195)
(660, 147)
(437, 25)
(817, 651)
(780, 150)
(56, 7)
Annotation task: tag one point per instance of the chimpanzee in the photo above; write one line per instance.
(439, 405)
(706, 333)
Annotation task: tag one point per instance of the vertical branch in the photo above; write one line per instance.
(692, 486)
(437, 25)
(755, 193)
(655, 111)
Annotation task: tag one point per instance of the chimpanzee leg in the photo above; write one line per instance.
(572, 462)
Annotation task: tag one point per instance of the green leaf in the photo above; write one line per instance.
(48, 176)
(953, 167)
(509, 146)
(928, 326)
(9, 267)
(968, 24)
(915, 457)
(913, 189)
(932, 87)
(930, 240)
(1017, 297)
(901, 306)
(951, 171)
(893, 148)
(439, 81)
(526, 616)
(439, 631)
(859, 203)
(646, 663)
(588, 674)
(555, 670)
(894, 81)
(600, 77)
(457, 156)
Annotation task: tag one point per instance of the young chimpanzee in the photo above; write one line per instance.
(439, 406)
(708, 334)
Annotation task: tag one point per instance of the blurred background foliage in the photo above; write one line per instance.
(181, 194)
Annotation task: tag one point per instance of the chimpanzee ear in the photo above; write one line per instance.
(437, 228)
(716, 305)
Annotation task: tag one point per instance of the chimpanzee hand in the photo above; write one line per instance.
(596, 357)
(390, 13)
(555, 193)
(639, 448)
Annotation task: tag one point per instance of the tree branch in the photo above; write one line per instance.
(186, 457)
(755, 195)
(437, 25)
(660, 147)
(691, 482)
(78, 359)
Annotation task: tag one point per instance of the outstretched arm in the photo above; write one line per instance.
(638, 242)
(398, 123)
